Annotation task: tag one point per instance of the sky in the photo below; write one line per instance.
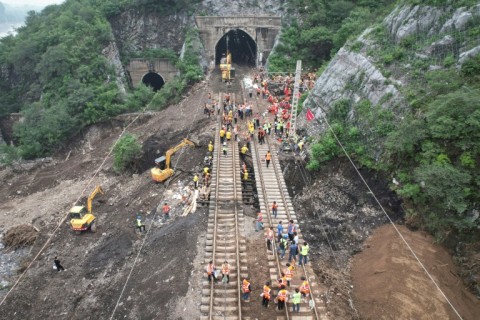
(19, 3)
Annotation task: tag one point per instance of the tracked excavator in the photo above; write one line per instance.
(81, 218)
(159, 175)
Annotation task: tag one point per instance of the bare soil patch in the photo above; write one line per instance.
(390, 284)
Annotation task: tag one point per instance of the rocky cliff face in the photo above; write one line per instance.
(138, 30)
(242, 7)
(359, 71)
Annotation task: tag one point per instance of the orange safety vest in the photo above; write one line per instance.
(266, 292)
(268, 156)
(289, 273)
(305, 287)
(166, 209)
(282, 295)
(282, 281)
(245, 286)
(274, 206)
(225, 268)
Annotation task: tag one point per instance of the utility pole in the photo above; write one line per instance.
(296, 92)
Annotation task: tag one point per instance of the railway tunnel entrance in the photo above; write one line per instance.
(240, 44)
(153, 80)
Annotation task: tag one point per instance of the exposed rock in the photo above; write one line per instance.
(464, 56)
(408, 20)
(441, 46)
(113, 56)
(352, 76)
(135, 31)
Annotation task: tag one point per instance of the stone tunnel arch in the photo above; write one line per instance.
(240, 44)
(153, 80)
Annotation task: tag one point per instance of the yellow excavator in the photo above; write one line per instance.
(159, 175)
(81, 218)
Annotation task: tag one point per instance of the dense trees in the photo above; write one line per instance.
(54, 73)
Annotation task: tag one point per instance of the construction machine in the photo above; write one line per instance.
(82, 218)
(228, 72)
(159, 175)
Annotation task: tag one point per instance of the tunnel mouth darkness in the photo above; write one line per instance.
(153, 80)
(239, 43)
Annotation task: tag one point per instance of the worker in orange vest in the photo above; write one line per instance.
(246, 289)
(268, 157)
(166, 211)
(274, 209)
(266, 294)
(289, 272)
(282, 298)
(304, 287)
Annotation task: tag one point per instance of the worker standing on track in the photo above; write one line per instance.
(303, 254)
(291, 230)
(210, 146)
(266, 294)
(246, 287)
(293, 252)
(166, 212)
(224, 149)
(296, 298)
(305, 288)
(222, 135)
(195, 181)
(269, 238)
(289, 273)
(275, 209)
(225, 272)
(243, 152)
(259, 222)
(282, 298)
(268, 157)
(282, 246)
(228, 135)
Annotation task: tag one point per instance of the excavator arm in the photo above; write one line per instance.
(171, 151)
(92, 195)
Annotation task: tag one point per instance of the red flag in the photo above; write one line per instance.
(310, 115)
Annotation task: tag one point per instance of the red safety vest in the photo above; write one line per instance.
(166, 209)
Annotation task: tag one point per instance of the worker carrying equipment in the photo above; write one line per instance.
(82, 218)
(159, 175)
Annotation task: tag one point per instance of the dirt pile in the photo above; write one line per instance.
(390, 284)
(20, 236)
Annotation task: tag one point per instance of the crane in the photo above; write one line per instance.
(159, 175)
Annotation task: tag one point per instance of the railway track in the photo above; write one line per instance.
(224, 243)
(271, 187)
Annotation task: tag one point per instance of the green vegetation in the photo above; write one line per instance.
(431, 147)
(322, 29)
(56, 76)
(126, 151)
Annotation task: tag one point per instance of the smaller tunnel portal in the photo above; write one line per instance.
(242, 47)
(153, 80)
